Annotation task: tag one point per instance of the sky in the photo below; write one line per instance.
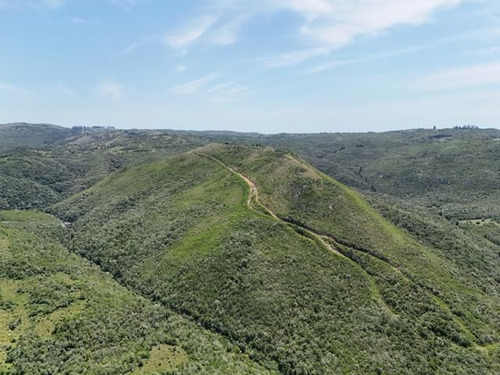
(267, 66)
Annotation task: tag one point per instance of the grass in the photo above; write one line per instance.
(162, 358)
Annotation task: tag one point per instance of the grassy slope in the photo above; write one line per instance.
(296, 191)
(179, 231)
(473, 246)
(60, 314)
(454, 173)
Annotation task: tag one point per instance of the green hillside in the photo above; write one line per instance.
(237, 258)
(29, 135)
(32, 178)
(61, 314)
(326, 286)
(450, 172)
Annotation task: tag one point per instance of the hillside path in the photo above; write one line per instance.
(254, 197)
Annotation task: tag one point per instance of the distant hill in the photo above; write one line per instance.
(29, 135)
(33, 178)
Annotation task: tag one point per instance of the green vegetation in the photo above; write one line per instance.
(452, 172)
(299, 194)
(37, 178)
(161, 260)
(179, 232)
(60, 314)
(27, 135)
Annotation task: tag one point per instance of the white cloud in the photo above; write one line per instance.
(475, 75)
(190, 34)
(380, 56)
(54, 3)
(335, 23)
(38, 4)
(195, 86)
(126, 4)
(213, 90)
(219, 87)
(31, 3)
(111, 89)
(65, 89)
(326, 24)
(135, 46)
(15, 89)
(81, 21)
(181, 68)
(227, 34)
(295, 58)
(483, 51)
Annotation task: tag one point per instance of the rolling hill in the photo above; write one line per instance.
(179, 255)
(306, 277)
(29, 135)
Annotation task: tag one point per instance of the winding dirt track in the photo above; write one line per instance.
(254, 197)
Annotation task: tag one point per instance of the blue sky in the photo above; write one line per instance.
(251, 65)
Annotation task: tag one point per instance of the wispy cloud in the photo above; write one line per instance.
(468, 76)
(190, 34)
(141, 43)
(15, 89)
(327, 24)
(220, 87)
(295, 58)
(54, 3)
(195, 86)
(329, 65)
(181, 68)
(66, 89)
(213, 89)
(126, 4)
(227, 33)
(34, 4)
(483, 51)
(82, 21)
(228, 92)
(336, 23)
(111, 89)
